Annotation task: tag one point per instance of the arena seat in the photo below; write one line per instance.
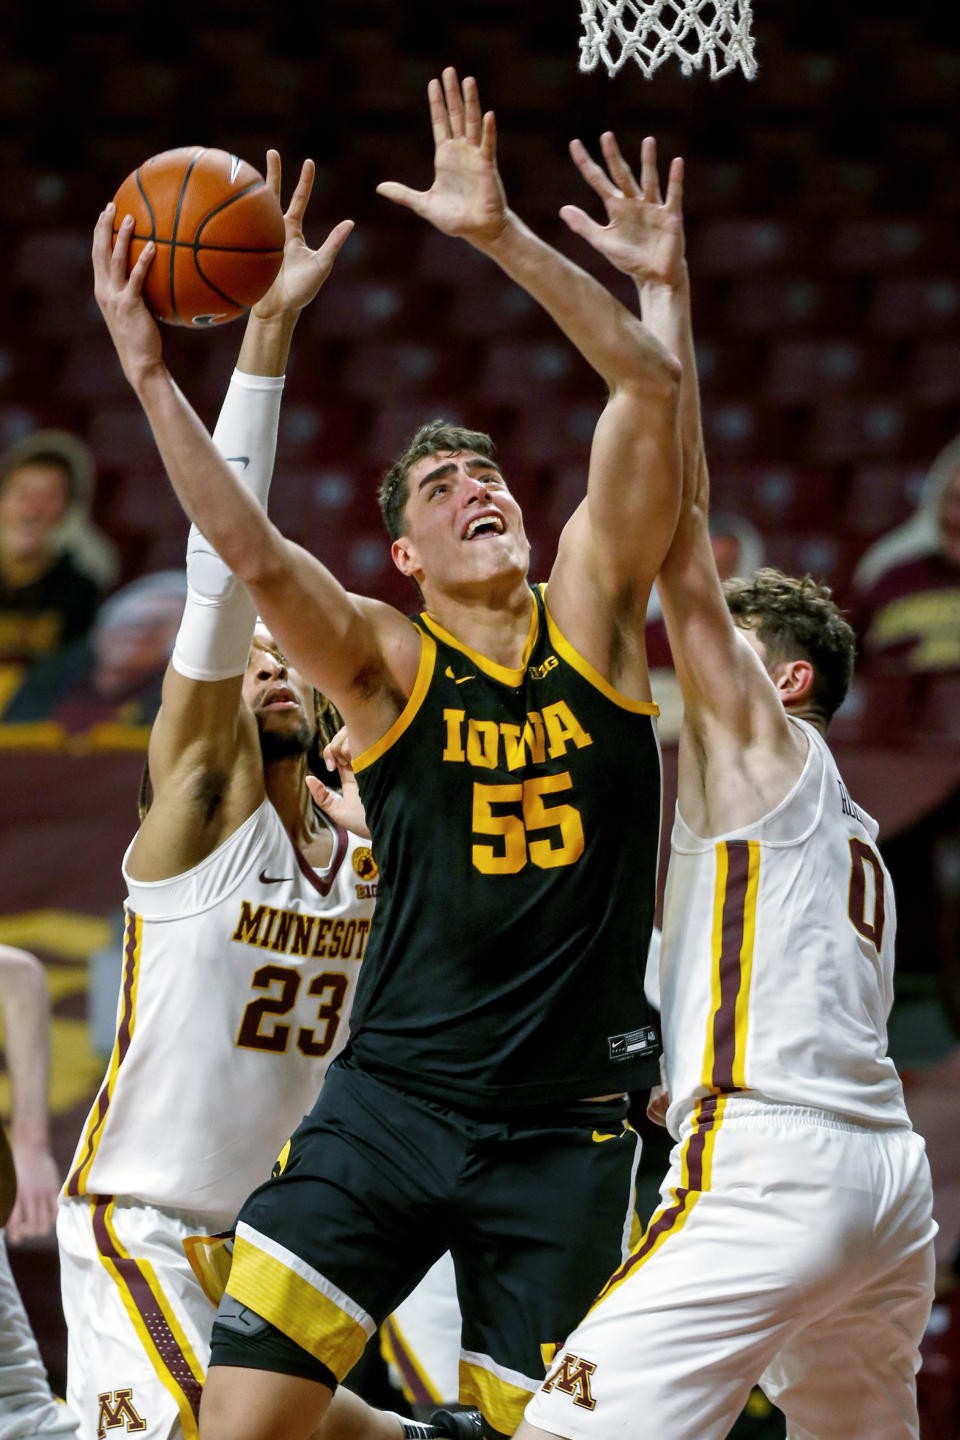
(801, 370)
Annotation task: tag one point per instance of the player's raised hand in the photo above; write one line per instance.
(643, 235)
(466, 197)
(132, 328)
(303, 270)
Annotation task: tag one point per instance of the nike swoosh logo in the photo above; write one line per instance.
(600, 1138)
(234, 167)
(243, 460)
(266, 879)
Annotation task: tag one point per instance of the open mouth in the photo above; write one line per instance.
(280, 697)
(482, 525)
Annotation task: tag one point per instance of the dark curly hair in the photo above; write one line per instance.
(798, 619)
(436, 437)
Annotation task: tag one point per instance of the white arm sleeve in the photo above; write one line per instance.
(218, 619)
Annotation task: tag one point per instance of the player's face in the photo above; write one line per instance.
(462, 525)
(280, 698)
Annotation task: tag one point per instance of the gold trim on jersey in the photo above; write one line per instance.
(503, 673)
(731, 954)
(428, 659)
(500, 1402)
(148, 1328)
(398, 1352)
(296, 1306)
(583, 667)
(96, 1120)
(696, 1174)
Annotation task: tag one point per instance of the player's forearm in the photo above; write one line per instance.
(26, 1016)
(266, 343)
(614, 342)
(666, 312)
(210, 494)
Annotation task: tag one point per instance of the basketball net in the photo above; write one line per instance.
(649, 31)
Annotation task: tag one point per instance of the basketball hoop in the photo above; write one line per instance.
(648, 31)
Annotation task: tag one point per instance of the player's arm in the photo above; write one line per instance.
(613, 548)
(204, 756)
(25, 1003)
(342, 644)
(724, 685)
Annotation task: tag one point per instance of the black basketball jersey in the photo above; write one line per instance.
(515, 818)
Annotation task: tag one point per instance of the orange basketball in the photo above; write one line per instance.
(218, 230)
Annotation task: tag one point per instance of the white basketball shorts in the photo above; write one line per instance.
(790, 1248)
(140, 1290)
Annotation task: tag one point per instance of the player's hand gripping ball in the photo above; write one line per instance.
(217, 227)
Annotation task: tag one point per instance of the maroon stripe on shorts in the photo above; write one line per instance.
(121, 1044)
(148, 1307)
(731, 943)
(666, 1220)
(412, 1381)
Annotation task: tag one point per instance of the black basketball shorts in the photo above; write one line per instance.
(535, 1206)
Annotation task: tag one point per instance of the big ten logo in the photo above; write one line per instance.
(572, 1377)
(117, 1412)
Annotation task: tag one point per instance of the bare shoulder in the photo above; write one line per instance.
(399, 640)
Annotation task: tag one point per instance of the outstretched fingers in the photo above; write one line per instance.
(618, 167)
(334, 243)
(273, 172)
(439, 115)
(299, 200)
(594, 174)
(472, 114)
(453, 98)
(583, 225)
(649, 175)
(675, 185)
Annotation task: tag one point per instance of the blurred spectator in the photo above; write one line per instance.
(907, 586)
(54, 563)
(115, 674)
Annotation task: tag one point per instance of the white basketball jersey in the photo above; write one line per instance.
(776, 972)
(238, 978)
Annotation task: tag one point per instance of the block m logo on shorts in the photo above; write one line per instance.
(116, 1410)
(572, 1377)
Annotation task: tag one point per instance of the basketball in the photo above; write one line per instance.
(217, 227)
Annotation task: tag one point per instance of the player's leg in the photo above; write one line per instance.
(852, 1370)
(323, 1252)
(421, 1341)
(138, 1320)
(688, 1322)
(549, 1214)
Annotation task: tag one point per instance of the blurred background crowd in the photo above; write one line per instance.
(823, 203)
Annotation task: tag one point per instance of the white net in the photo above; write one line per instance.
(648, 31)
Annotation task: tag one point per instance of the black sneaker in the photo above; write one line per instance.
(459, 1424)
